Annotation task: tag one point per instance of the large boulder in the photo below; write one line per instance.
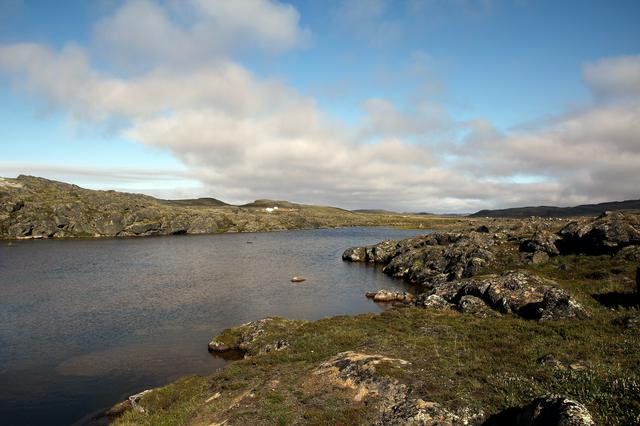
(606, 234)
(543, 241)
(378, 253)
(547, 410)
(518, 293)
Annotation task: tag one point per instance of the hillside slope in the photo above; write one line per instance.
(551, 211)
(33, 207)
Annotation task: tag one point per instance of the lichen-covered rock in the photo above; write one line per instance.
(519, 293)
(429, 259)
(367, 376)
(255, 337)
(426, 413)
(475, 306)
(555, 410)
(606, 234)
(391, 296)
(361, 373)
(433, 301)
(547, 410)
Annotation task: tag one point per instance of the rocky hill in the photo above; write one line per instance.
(550, 211)
(33, 207)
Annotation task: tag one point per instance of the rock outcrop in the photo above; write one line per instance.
(607, 234)
(367, 376)
(255, 337)
(517, 293)
(429, 259)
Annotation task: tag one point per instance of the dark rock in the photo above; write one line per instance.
(379, 253)
(638, 278)
(13, 206)
(548, 410)
(607, 234)
(541, 242)
(483, 229)
(536, 258)
(555, 410)
(429, 259)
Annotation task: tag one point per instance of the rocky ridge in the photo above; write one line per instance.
(34, 208)
(443, 264)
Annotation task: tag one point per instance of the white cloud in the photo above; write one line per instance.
(614, 78)
(142, 31)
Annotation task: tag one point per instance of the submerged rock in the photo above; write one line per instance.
(391, 296)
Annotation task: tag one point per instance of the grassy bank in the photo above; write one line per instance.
(455, 359)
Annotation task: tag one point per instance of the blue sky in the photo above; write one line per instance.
(411, 105)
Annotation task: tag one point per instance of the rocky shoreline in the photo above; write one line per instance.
(37, 208)
(507, 324)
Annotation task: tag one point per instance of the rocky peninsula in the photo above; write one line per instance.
(505, 322)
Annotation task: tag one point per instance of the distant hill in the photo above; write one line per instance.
(272, 203)
(374, 211)
(196, 202)
(550, 211)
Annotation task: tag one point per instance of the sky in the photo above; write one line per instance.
(408, 105)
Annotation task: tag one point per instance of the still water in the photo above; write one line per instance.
(84, 323)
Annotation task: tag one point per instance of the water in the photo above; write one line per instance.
(84, 323)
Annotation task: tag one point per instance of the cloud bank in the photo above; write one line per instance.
(173, 84)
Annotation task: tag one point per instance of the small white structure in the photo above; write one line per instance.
(271, 209)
